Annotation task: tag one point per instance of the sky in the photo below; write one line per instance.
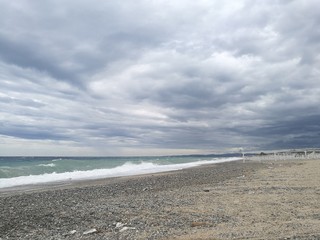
(158, 77)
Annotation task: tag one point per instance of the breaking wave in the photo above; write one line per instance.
(127, 169)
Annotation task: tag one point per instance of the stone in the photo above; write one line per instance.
(127, 228)
(120, 225)
(90, 231)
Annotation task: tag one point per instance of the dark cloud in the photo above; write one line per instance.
(125, 77)
(27, 56)
(32, 132)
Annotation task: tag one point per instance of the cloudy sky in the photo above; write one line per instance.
(150, 77)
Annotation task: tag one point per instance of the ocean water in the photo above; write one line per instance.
(17, 171)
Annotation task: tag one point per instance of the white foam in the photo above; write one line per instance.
(55, 160)
(128, 169)
(47, 165)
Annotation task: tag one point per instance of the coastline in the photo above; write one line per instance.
(223, 201)
(39, 172)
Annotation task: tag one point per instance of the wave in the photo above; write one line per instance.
(56, 159)
(47, 165)
(127, 169)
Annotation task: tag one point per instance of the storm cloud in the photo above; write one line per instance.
(158, 77)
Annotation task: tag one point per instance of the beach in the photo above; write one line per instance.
(232, 200)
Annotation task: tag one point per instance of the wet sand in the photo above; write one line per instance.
(235, 200)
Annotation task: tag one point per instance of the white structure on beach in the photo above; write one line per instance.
(286, 155)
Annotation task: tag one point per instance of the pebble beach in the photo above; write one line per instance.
(232, 200)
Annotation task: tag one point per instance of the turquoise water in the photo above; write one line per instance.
(16, 171)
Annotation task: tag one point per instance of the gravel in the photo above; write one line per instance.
(140, 207)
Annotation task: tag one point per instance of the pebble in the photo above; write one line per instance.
(120, 225)
(146, 205)
(72, 232)
(127, 228)
(90, 231)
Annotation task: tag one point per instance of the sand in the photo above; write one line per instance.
(252, 200)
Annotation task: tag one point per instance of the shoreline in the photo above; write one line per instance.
(61, 185)
(92, 181)
(261, 200)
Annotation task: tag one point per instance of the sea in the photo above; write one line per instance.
(19, 171)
